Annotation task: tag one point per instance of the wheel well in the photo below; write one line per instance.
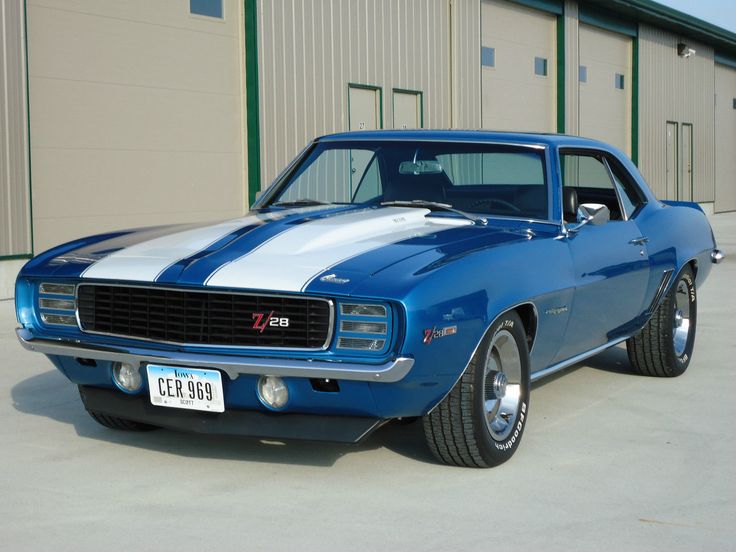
(694, 266)
(528, 315)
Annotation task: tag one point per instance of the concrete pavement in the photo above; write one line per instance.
(609, 461)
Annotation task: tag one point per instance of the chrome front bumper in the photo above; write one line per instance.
(716, 256)
(233, 366)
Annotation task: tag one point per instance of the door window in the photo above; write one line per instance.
(597, 178)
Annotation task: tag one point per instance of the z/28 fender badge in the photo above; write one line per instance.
(430, 334)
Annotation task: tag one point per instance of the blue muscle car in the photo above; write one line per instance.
(383, 275)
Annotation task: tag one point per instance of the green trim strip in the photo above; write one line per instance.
(654, 13)
(552, 6)
(635, 101)
(380, 100)
(15, 257)
(28, 127)
(561, 74)
(408, 91)
(606, 20)
(723, 59)
(252, 104)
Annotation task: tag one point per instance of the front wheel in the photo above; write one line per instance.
(480, 423)
(664, 346)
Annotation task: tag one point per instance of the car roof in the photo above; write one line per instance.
(531, 138)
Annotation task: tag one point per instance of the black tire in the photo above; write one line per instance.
(459, 429)
(113, 422)
(660, 348)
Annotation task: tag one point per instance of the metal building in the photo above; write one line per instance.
(122, 114)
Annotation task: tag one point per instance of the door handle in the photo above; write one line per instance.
(639, 241)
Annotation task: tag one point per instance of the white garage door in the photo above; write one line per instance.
(725, 138)
(605, 86)
(518, 68)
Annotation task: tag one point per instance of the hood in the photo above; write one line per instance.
(320, 249)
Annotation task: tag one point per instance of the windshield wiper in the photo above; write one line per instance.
(300, 203)
(434, 205)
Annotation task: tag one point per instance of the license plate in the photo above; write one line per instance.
(178, 387)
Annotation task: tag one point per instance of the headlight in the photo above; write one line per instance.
(364, 327)
(57, 304)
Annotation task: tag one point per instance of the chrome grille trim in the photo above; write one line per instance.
(323, 347)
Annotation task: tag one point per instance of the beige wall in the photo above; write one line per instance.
(466, 72)
(15, 228)
(514, 98)
(605, 111)
(136, 115)
(672, 88)
(306, 65)
(725, 195)
(572, 60)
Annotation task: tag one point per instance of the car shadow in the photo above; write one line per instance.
(52, 396)
(614, 360)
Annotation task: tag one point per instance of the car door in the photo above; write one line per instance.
(610, 261)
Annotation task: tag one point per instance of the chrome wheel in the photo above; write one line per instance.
(502, 385)
(681, 319)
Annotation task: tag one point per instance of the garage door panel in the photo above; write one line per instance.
(725, 138)
(513, 96)
(605, 108)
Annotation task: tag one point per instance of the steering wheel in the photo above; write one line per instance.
(508, 205)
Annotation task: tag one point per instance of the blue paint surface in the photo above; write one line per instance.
(586, 288)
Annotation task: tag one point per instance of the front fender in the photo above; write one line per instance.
(457, 300)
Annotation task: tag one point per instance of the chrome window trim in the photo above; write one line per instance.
(324, 347)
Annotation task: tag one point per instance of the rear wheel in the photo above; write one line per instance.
(481, 421)
(664, 346)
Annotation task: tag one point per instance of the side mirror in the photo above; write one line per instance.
(591, 213)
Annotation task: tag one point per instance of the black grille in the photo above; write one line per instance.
(203, 318)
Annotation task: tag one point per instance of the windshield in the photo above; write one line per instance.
(477, 178)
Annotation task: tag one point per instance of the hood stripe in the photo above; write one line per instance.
(196, 272)
(145, 261)
(174, 271)
(291, 259)
(148, 260)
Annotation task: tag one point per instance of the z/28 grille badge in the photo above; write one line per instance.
(261, 321)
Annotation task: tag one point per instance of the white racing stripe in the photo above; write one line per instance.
(145, 261)
(290, 260)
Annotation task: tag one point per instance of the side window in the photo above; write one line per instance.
(631, 198)
(587, 178)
